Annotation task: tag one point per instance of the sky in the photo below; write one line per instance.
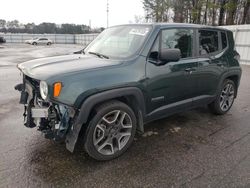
(71, 11)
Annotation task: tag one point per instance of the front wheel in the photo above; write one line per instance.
(225, 98)
(110, 131)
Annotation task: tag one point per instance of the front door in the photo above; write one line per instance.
(171, 85)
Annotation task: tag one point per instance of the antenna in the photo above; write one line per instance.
(107, 13)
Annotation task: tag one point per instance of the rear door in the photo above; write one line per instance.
(212, 45)
(173, 84)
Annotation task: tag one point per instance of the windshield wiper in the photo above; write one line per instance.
(99, 55)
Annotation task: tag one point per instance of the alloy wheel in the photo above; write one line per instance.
(227, 97)
(112, 132)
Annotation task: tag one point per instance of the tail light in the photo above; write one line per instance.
(237, 56)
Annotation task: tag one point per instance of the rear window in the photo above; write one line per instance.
(223, 40)
(208, 42)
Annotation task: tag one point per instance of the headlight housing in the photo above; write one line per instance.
(43, 89)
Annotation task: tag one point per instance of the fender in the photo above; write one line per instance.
(95, 99)
(231, 72)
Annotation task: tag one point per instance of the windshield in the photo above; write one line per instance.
(119, 41)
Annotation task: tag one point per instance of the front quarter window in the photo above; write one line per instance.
(119, 41)
(178, 38)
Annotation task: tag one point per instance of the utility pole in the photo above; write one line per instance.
(89, 24)
(107, 13)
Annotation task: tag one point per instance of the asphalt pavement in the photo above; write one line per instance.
(190, 149)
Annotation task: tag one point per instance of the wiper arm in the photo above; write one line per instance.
(99, 55)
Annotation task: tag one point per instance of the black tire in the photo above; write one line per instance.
(49, 43)
(100, 113)
(34, 43)
(215, 106)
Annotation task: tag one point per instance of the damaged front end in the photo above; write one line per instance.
(52, 119)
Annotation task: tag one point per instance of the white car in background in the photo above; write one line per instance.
(40, 40)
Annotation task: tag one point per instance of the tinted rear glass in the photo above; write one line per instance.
(223, 40)
(208, 42)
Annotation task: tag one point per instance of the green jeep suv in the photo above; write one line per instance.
(128, 76)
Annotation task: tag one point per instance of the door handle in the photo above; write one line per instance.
(220, 64)
(190, 70)
(212, 57)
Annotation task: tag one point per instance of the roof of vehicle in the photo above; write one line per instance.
(186, 25)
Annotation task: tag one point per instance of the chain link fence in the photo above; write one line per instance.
(241, 35)
(83, 39)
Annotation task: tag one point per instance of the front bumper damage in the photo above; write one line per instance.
(53, 120)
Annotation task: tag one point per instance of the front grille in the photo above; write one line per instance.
(36, 91)
(34, 84)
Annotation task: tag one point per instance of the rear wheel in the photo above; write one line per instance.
(34, 43)
(49, 43)
(110, 131)
(225, 98)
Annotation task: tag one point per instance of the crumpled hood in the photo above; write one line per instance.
(45, 68)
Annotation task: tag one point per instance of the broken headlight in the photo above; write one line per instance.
(43, 89)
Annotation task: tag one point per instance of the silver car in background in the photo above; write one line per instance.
(40, 40)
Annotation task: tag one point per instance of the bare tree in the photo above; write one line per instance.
(157, 10)
(231, 7)
(205, 13)
(222, 12)
(196, 11)
(209, 12)
(178, 6)
(246, 13)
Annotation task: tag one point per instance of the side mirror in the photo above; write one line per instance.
(169, 55)
(79, 52)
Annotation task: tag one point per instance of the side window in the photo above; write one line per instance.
(178, 38)
(174, 38)
(223, 40)
(208, 42)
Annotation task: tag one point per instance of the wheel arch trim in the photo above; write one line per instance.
(230, 73)
(95, 99)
